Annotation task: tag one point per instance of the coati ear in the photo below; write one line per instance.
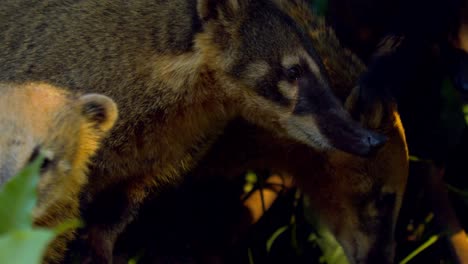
(99, 110)
(215, 9)
(370, 118)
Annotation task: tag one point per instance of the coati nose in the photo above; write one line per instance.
(356, 140)
(375, 141)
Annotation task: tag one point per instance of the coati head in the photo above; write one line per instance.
(67, 129)
(360, 198)
(283, 85)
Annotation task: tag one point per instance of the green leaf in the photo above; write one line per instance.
(137, 258)
(421, 248)
(461, 194)
(332, 251)
(18, 198)
(251, 177)
(452, 119)
(24, 246)
(250, 255)
(274, 236)
(67, 225)
(20, 243)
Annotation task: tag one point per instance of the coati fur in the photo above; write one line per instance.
(67, 129)
(178, 71)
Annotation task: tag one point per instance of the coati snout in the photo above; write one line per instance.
(319, 120)
(282, 80)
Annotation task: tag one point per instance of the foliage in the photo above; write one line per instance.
(332, 251)
(18, 198)
(302, 238)
(20, 241)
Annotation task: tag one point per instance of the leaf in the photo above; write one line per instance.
(274, 236)
(67, 225)
(24, 246)
(250, 255)
(461, 194)
(18, 198)
(251, 177)
(332, 251)
(421, 248)
(452, 119)
(20, 243)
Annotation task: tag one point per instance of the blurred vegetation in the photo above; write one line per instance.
(20, 241)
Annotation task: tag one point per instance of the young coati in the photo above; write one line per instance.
(178, 71)
(37, 117)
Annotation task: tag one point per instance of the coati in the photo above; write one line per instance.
(67, 128)
(178, 71)
(358, 199)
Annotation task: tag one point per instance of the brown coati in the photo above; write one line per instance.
(357, 198)
(67, 128)
(178, 71)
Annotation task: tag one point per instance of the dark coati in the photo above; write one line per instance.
(67, 128)
(178, 71)
(357, 198)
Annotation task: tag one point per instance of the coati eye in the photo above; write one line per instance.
(293, 73)
(46, 164)
(48, 160)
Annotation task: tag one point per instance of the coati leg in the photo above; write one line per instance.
(107, 217)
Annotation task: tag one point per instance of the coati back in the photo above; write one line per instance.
(178, 71)
(37, 117)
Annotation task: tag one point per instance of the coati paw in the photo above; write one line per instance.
(97, 249)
